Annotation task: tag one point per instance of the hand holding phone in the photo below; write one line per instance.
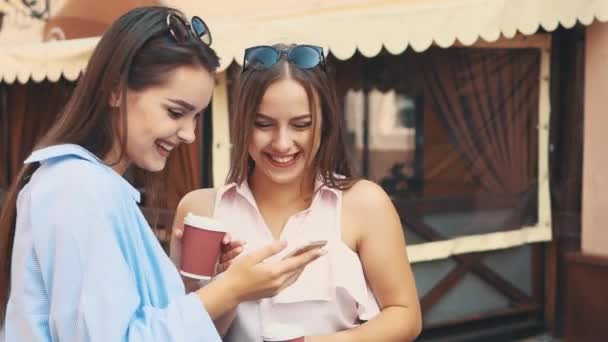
(306, 247)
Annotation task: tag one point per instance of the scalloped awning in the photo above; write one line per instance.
(40, 61)
(367, 25)
(342, 26)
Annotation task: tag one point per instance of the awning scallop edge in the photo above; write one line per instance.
(343, 28)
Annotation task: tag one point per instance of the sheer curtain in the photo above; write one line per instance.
(487, 100)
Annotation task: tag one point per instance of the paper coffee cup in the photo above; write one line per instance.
(201, 246)
(281, 332)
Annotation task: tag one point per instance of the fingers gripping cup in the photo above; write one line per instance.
(279, 332)
(201, 246)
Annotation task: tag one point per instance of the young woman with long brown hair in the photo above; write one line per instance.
(290, 179)
(78, 260)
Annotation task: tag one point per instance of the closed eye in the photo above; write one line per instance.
(174, 113)
(262, 124)
(302, 125)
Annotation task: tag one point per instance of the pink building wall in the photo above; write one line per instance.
(595, 158)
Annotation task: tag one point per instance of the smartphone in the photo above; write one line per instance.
(307, 247)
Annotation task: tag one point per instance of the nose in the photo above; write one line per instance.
(282, 141)
(187, 131)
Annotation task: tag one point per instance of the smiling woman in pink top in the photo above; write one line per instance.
(290, 180)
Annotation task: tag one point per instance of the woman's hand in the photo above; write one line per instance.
(253, 277)
(230, 250)
(175, 245)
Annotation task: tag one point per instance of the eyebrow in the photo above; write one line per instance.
(297, 118)
(184, 104)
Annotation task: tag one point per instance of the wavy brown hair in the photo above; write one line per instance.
(137, 52)
(331, 163)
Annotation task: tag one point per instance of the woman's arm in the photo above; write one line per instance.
(86, 253)
(82, 243)
(381, 248)
(199, 202)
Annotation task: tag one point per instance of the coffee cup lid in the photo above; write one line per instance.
(281, 332)
(204, 222)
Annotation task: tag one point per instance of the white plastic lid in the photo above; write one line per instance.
(281, 332)
(204, 222)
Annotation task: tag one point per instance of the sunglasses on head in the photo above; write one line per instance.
(181, 30)
(264, 56)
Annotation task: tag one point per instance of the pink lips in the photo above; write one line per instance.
(282, 162)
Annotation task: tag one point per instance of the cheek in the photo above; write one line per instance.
(137, 122)
(253, 148)
(138, 131)
(143, 134)
(259, 140)
(308, 140)
(133, 131)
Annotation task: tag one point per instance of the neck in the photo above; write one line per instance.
(114, 160)
(267, 192)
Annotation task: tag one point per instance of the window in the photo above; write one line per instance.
(385, 141)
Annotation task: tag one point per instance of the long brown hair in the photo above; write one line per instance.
(137, 51)
(331, 163)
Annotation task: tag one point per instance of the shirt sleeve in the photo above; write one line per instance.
(93, 293)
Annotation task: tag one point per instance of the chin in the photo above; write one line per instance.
(152, 165)
(284, 178)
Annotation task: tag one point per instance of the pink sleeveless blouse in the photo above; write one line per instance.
(330, 295)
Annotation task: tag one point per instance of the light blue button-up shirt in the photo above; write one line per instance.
(86, 265)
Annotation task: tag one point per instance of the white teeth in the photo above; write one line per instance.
(283, 160)
(165, 146)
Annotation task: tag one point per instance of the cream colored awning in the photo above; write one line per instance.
(346, 25)
(40, 61)
(342, 26)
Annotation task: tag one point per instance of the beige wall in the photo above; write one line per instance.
(595, 164)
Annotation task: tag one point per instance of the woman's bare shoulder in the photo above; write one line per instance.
(369, 208)
(199, 202)
(365, 197)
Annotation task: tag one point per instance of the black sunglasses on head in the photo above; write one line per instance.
(180, 29)
(264, 56)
